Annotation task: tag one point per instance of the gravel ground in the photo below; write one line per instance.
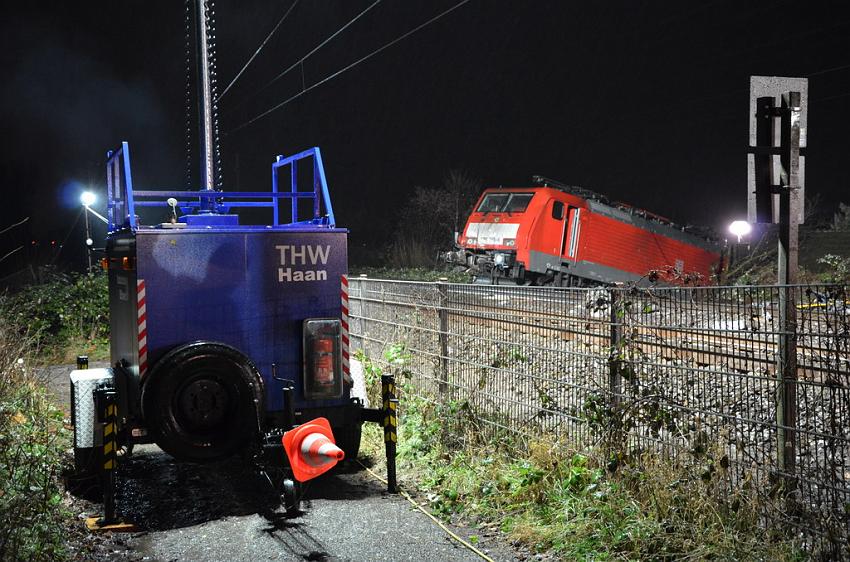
(225, 512)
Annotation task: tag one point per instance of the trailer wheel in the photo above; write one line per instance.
(199, 403)
(348, 439)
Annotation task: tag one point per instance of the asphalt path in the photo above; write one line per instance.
(226, 511)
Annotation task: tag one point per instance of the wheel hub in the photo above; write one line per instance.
(203, 403)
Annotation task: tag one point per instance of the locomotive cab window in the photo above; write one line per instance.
(557, 210)
(493, 203)
(505, 203)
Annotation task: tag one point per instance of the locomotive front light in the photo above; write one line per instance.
(322, 358)
(472, 241)
(509, 242)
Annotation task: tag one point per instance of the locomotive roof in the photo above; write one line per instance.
(583, 192)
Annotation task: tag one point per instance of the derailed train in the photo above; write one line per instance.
(556, 234)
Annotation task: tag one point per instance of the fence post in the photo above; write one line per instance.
(443, 316)
(786, 406)
(615, 381)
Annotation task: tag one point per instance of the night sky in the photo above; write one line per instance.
(644, 101)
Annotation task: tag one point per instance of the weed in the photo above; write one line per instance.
(32, 439)
(596, 504)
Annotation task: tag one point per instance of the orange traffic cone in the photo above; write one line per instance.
(311, 449)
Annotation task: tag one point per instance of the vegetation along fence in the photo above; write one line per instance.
(761, 374)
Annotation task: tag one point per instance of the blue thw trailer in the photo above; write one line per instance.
(224, 335)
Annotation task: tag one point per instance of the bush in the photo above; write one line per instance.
(32, 438)
(67, 308)
(429, 219)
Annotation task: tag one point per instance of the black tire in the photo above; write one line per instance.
(199, 402)
(348, 439)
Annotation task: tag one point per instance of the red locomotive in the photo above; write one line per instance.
(566, 235)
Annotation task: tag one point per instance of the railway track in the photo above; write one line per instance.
(710, 335)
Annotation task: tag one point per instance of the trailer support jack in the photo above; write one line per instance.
(105, 399)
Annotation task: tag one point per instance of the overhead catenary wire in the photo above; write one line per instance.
(350, 66)
(828, 70)
(300, 61)
(260, 48)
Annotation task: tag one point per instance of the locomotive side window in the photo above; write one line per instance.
(505, 203)
(558, 210)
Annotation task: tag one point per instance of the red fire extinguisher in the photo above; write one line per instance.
(323, 365)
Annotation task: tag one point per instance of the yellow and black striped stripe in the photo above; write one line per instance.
(109, 436)
(390, 415)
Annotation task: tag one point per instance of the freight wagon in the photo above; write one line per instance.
(564, 235)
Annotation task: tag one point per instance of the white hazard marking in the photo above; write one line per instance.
(142, 326)
(346, 366)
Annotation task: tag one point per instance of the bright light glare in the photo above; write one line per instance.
(740, 228)
(88, 198)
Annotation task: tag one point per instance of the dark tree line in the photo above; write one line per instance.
(429, 220)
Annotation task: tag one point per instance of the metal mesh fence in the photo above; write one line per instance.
(669, 370)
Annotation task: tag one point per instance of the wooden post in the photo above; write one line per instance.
(789, 213)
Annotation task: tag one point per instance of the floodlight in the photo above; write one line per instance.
(740, 228)
(87, 198)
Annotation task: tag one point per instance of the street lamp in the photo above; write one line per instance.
(87, 198)
(740, 228)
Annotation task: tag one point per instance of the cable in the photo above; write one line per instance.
(12, 252)
(8, 228)
(311, 53)
(827, 70)
(434, 519)
(350, 66)
(260, 48)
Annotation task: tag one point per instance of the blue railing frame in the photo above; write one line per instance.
(123, 200)
(320, 185)
(119, 194)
